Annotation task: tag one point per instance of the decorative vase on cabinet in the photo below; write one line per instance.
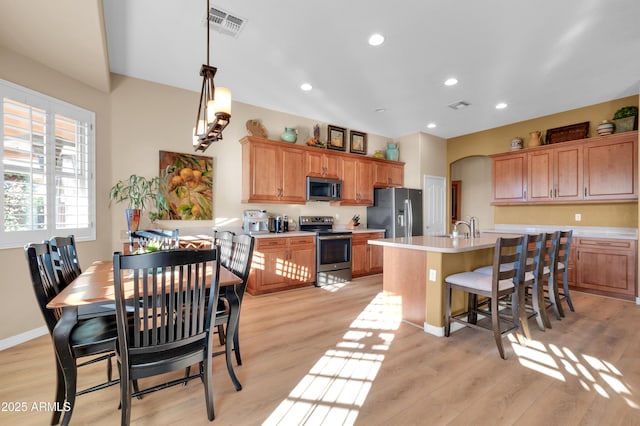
(392, 151)
(289, 135)
(535, 139)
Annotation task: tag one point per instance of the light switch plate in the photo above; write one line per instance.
(432, 275)
(578, 217)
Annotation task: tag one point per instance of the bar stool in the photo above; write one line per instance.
(531, 281)
(564, 249)
(502, 284)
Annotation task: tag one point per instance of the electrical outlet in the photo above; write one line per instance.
(578, 217)
(432, 275)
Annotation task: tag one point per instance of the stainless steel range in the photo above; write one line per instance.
(333, 250)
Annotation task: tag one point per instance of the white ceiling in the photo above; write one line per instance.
(538, 56)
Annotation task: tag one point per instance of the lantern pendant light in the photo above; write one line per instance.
(214, 110)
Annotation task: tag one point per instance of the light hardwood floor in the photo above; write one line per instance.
(314, 356)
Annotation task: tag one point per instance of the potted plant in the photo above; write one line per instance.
(138, 192)
(626, 119)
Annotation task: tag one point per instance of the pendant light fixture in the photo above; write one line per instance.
(214, 110)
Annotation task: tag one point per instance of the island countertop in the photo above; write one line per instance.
(443, 244)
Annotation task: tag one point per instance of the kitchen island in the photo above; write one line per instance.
(415, 268)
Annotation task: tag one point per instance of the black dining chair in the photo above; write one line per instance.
(170, 328)
(240, 265)
(162, 238)
(95, 337)
(224, 239)
(64, 255)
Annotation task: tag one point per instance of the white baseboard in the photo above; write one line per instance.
(23, 337)
(439, 331)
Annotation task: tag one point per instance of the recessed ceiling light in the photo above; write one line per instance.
(376, 39)
(451, 81)
(501, 105)
(306, 87)
(380, 110)
(431, 125)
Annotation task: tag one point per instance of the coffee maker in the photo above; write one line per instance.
(255, 222)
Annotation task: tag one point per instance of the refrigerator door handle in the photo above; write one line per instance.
(409, 212)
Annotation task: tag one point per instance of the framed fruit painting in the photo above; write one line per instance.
(187, 185)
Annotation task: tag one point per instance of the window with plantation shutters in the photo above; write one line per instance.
(47, 168)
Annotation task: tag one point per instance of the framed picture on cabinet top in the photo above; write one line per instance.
(358, 142)
(336, 138)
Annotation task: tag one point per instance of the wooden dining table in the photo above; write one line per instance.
(92, 294)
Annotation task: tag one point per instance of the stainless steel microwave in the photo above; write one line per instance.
(320, 189)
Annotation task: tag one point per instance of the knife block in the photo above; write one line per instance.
(352, 225)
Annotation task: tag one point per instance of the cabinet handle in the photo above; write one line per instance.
(551, 193)
(555, 193)
(525, 194)
(585, 191)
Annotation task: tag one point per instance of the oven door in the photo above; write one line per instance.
(334, 252)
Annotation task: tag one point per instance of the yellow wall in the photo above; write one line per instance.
(499, 140)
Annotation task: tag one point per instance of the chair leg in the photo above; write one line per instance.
(125, 396)
(537, 300)
(565, 286)
(554, 296)
(521, 314)
(236, 345)
(55, 419)
(206, 367)
(447, 310)
(221, 335)
(495, 321)
(109, 367)
(472, 308)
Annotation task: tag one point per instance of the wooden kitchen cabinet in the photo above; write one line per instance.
(611, 167)
(509, 178)
(272, 172)
(388, 174)
(282, 263)
(366, 259)
(357, 182)
(595, 170)
(605, 266)
(555, 174)
(321, 164)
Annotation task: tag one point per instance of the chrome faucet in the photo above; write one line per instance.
(473, 225)
(462, 222)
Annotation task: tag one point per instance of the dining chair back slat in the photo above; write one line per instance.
(165, 238)
(64, 255)
(224, 239)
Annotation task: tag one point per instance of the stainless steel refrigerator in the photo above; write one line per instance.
(397, 210)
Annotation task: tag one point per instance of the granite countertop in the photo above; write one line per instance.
(578, 231)
(443, 244)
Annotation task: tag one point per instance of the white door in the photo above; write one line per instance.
(435, 205)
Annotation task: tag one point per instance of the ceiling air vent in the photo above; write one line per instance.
(224, 22)
(459, 105)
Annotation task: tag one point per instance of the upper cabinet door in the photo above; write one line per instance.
(387, 174)
(293, 182)
(540, 182)
(324, 165)
(509, 177)
(610, 168)
(568, 173)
